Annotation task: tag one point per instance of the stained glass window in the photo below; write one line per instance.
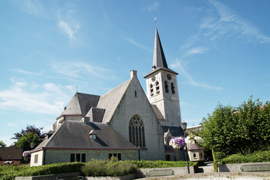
(136, 131)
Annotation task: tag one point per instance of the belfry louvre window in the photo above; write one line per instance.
(166, 87)
(172, 86)
(136, 131)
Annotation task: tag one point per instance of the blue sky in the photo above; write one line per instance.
(48, 49)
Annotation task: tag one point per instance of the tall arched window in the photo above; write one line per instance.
(172, 86)
(136, 131)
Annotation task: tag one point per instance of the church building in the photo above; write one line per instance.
(125, 122)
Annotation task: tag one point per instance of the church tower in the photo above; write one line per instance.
(162, 89)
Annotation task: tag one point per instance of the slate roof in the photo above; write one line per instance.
(95, 114)
(75, 134)
(175, 131)
(159, 60)
(157, 112)
(15, 153)
(111, 99)
(80, 104)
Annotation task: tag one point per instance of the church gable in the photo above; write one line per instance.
(135, 120)
(111, 99)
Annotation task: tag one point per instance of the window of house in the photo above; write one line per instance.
(194, 155)
(166, 87)
(77, 157)
(136, 131)
(117, 155)
(72, 157)
(135, 93)
(36, 158)
(172, 86)
(83, 158)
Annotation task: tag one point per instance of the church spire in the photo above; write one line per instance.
(159, 59)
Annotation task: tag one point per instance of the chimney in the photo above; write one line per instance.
(133, 73)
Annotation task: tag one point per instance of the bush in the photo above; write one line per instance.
(108, 168)
(161, 164)
(10, 172)
(257, 156)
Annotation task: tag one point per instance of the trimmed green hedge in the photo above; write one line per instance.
(10, 172)
(91, 168)
(162, 164)
(257, 156)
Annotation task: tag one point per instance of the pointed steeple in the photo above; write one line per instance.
(159, 59)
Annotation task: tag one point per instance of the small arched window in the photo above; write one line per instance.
(166, 87)
(136, 131)
(172, 86)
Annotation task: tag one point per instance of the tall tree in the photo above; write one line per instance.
(27, 140)
(243, 129)
(30, 128)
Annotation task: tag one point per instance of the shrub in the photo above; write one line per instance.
(161, 164)
(108, 168)
(257, 156)
(10, 172)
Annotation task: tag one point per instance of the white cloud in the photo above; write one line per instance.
(197, 50)
(33, 7)
(69, 28)
(78, 69)
(132, 41)
(229, 24)
(152, 7)
(178, 65)
(48, 99)
(24, 72)
(11, 124)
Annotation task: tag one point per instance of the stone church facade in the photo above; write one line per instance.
(125, 122)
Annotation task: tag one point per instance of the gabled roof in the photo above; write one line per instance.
(80, 104)
(159, 60)
(12, 153)
(111, 99)
(75, 134)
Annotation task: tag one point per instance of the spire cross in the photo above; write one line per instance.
(155, 21)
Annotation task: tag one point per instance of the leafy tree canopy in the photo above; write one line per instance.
(27, 139)
(29, 128)
(2, 144)
(242, 129)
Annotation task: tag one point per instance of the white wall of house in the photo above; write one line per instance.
(58, 155)
(36, 158)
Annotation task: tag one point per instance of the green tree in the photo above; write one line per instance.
(2, 144)
(243, 129)
(29, 128)
(27, 139)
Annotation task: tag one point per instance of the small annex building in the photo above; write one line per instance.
(125, 122)
(11, 155)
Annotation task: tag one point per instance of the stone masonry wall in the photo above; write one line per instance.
(137, 104)
(57, 156)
